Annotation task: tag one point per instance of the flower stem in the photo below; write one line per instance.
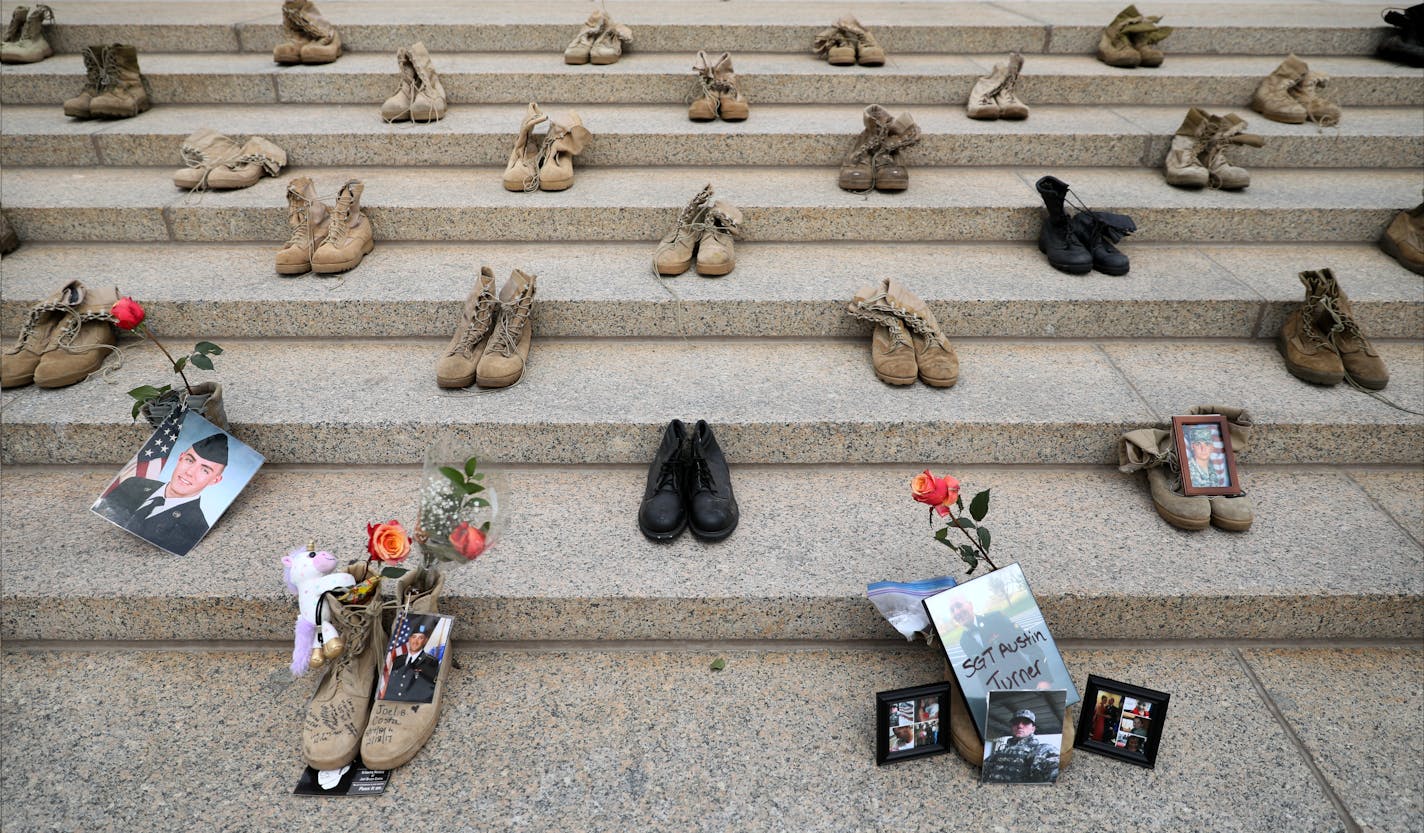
(151, 337)
(972, 540)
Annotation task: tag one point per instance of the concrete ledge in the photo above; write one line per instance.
(574, 566)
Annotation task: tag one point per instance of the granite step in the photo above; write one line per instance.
(342, 401)
(629, 741)
(902, 27)
(666, 78)
(1004, 290)
(779, 134)
(995, 204)
(573, 565)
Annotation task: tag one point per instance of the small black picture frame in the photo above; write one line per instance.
(911, 723)
(1121, 721)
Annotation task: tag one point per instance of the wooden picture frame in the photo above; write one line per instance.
(1204, 454)
(918, 718)
(1135, 732)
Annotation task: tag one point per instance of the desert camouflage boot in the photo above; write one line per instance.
(349, 238)
(396, 730)
(37, 335)
(341, 705)
(1361, 361)
(1309, 353)
(1152, 450)
(892, 351)
(507, 353)
(456, 369)
(83, 340)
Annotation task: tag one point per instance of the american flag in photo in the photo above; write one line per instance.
(151, 459)
(398, 638)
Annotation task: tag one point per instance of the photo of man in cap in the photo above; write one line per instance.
(413, 676)
(1021, 756)
(169, 514)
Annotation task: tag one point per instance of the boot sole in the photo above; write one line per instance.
(713, 536)
(1372, 384)
(1178, 521)
(78, 114)
(118, 114)
(895, 380)
(448, 383)
(1230, 526)
(574, 62)
(558, 185)
(892, 185)
(662, 537)
(666, 273)
(497, 382)
(715, 271)
(603, 62)
(1389, 247)
(1116, 273)
(1305, 374)
(347, 265)
(940, 383)
(294, 270)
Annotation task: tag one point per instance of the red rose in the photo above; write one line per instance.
(938, 492)
(387, 542)
(128, 313)
(468, 541)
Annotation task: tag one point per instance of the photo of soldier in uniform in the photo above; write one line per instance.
(415, 657)
(179, 483)
(1025, 737)
(1206, 460)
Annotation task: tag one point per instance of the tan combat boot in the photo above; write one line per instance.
(421, 97)
(507, 353)
(608, 47)
(836, 45)
(311, 39)
(456, 369)
(37, 336)
(1307, 349)
(339, 709)
(1359, 358)
(94, 81)
(890, 173)
(397, 731)
(857, 169)
(1183, 166)
(349, 238)
(938, 363)
(892, 351)
(731, 104)
(126, 94)
(993, 95)
(1232, 512)
(521, 173)
(1306, 92)
(29, 45)
(1115, 44)
(202, 152)
(715, 253)
(1152, 450)
(564, 141)
(868, 52)
(1144, 37)
(676, 250)
(704, 107)
(257, 157)
(16, 25)
(1223, 131)
(1403, 239)
(1273, 98)
(577, 52)
(82, 342)
(308, 218)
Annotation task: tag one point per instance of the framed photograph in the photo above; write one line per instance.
(415, 657)
(1204, 452)
(1121, 721)
(1025, 737)
(179, 483)
(996, 640)
(907, 723)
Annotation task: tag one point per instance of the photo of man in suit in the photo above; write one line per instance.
(987, 630)
(170, 514)
(414, 675)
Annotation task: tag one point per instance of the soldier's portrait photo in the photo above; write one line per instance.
(179, 483)
(1206, 459)
(1025, 737)
(415, 657)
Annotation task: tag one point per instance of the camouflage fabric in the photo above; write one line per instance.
(1021, 759)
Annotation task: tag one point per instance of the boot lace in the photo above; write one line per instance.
(31, 323)
(692, 220)
(667, 474)
(532, 184)
(357, 630)
(299, 220)
(94, 66)
(705, 480)
(478, 327)
(1308, 87)
(893, 144)
(882, 309)
(511, 325)
(340, 218)
(110, 72)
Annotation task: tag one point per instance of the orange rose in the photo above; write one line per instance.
(388, 542)
(938, 492)
(468, 541)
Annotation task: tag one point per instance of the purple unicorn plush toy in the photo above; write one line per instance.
(309, 574)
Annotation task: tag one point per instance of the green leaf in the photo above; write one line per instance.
(983, 537)
(474, 488)
(455, 476)
(138, 406)
(718, 664)
(959, 502)
(484, 527)
(393, 572)
(963, 523)
(969, 556)
(480, 476)
(143, 393)
(203, 361)
(470, 465)
(979, 507)
(206, 347)
(940, 535)
(180, 364)
(479, 501)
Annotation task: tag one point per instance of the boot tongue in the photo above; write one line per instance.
(72, 294)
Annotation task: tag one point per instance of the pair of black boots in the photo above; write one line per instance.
(1083, 242)
(1404, 45)
(688, 485)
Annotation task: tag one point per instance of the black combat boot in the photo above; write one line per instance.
(1098, 231)
(663, 515)
(1404, 45)
(1056, 239)
(707, 486)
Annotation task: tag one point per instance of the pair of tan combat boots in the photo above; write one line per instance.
(66, 337)
(1291, 94)
(1198, 155)
(491, 347)
(600, 41)
(310, 38)
(1154, 451)
(545, 163)
(25, 42)
(1321, 341)
(847, 42)
(718, 95)
(324, 240)
(342, 720)
(908, 343)
(217, 162)
(993, 95)
(421, 97)
(704, 232)
(114, 88)
(1131, 40)
(873, 161)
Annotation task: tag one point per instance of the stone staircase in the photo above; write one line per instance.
(586, 701)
